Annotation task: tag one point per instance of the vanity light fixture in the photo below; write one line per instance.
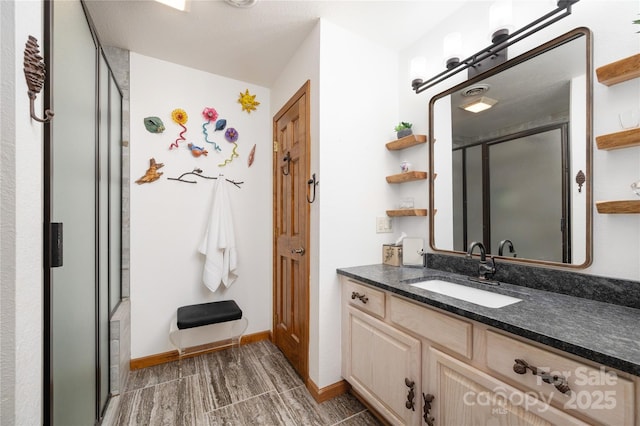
(181, 5)
(503, 40)
(417, 68)
(500, 25)
(500, 20)
(451, 48)
(481, 104)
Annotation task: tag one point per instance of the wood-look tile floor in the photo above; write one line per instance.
(250, 385)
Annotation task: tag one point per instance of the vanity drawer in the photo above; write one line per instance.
(597, 393)
(452, 333)
(364, 297)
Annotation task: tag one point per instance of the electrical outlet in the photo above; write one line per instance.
(383, 225)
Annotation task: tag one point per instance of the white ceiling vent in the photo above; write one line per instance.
(242, 3)
(476, 90)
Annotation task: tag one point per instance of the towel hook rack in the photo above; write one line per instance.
(312, 182)
(198, 172)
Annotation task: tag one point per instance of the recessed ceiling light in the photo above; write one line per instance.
(481, 104)
(181, 5)
(242, 3)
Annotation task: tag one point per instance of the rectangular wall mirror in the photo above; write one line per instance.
(507, 176)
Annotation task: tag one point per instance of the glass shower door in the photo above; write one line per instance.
(74, 203)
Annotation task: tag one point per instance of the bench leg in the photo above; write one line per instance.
(237, 330)
(231, 331)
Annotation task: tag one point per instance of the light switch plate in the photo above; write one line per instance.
(383, 225)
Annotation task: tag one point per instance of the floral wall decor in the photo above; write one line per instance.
(248, 101)
(179, 116)
(210, 115)
(154, 124)
(231, 135)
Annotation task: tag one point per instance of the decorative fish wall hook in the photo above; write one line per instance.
(34, 72)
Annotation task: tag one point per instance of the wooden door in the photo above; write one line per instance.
(291, 230)
(464, 395)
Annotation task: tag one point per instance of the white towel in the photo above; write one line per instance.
(218, 244)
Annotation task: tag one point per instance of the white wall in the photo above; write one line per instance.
(168, 218)
(358, 110)
(21, 224)
(616, 237)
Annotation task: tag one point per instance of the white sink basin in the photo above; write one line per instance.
(468, 294)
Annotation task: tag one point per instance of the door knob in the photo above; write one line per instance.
(299, 251)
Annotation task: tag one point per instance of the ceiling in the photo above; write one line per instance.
(255, 44)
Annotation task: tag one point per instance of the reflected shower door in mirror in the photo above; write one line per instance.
(493, 188)
(506, 173)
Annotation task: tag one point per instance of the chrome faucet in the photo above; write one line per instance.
(508, 243)
(484, 268)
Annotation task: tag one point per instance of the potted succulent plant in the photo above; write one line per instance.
(403, 129)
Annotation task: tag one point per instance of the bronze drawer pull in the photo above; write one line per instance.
(559, 382)
(363, 298)
(426, 407)
(410, 404)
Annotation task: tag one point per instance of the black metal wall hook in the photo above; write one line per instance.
(287, 159)
(312, 182)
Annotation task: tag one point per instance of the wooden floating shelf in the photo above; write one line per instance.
(407, 177)
(623, 139)
(619, 71)
(618, 207)
(406, 142)
(407, 212)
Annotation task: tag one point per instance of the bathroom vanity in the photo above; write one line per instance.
(417, 356)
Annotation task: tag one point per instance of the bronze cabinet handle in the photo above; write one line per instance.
(363, 297)
(411, 395)
(426, 407)
(560, 382)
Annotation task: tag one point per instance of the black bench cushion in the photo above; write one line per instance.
(208, 313)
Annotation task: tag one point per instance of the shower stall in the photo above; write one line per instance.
(83, 193)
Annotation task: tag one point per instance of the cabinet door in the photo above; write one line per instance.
(464, 395)
(381, 363)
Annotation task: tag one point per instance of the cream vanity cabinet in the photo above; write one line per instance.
(465, 372)
(379, 361)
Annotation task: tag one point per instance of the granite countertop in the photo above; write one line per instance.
(601, 332)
